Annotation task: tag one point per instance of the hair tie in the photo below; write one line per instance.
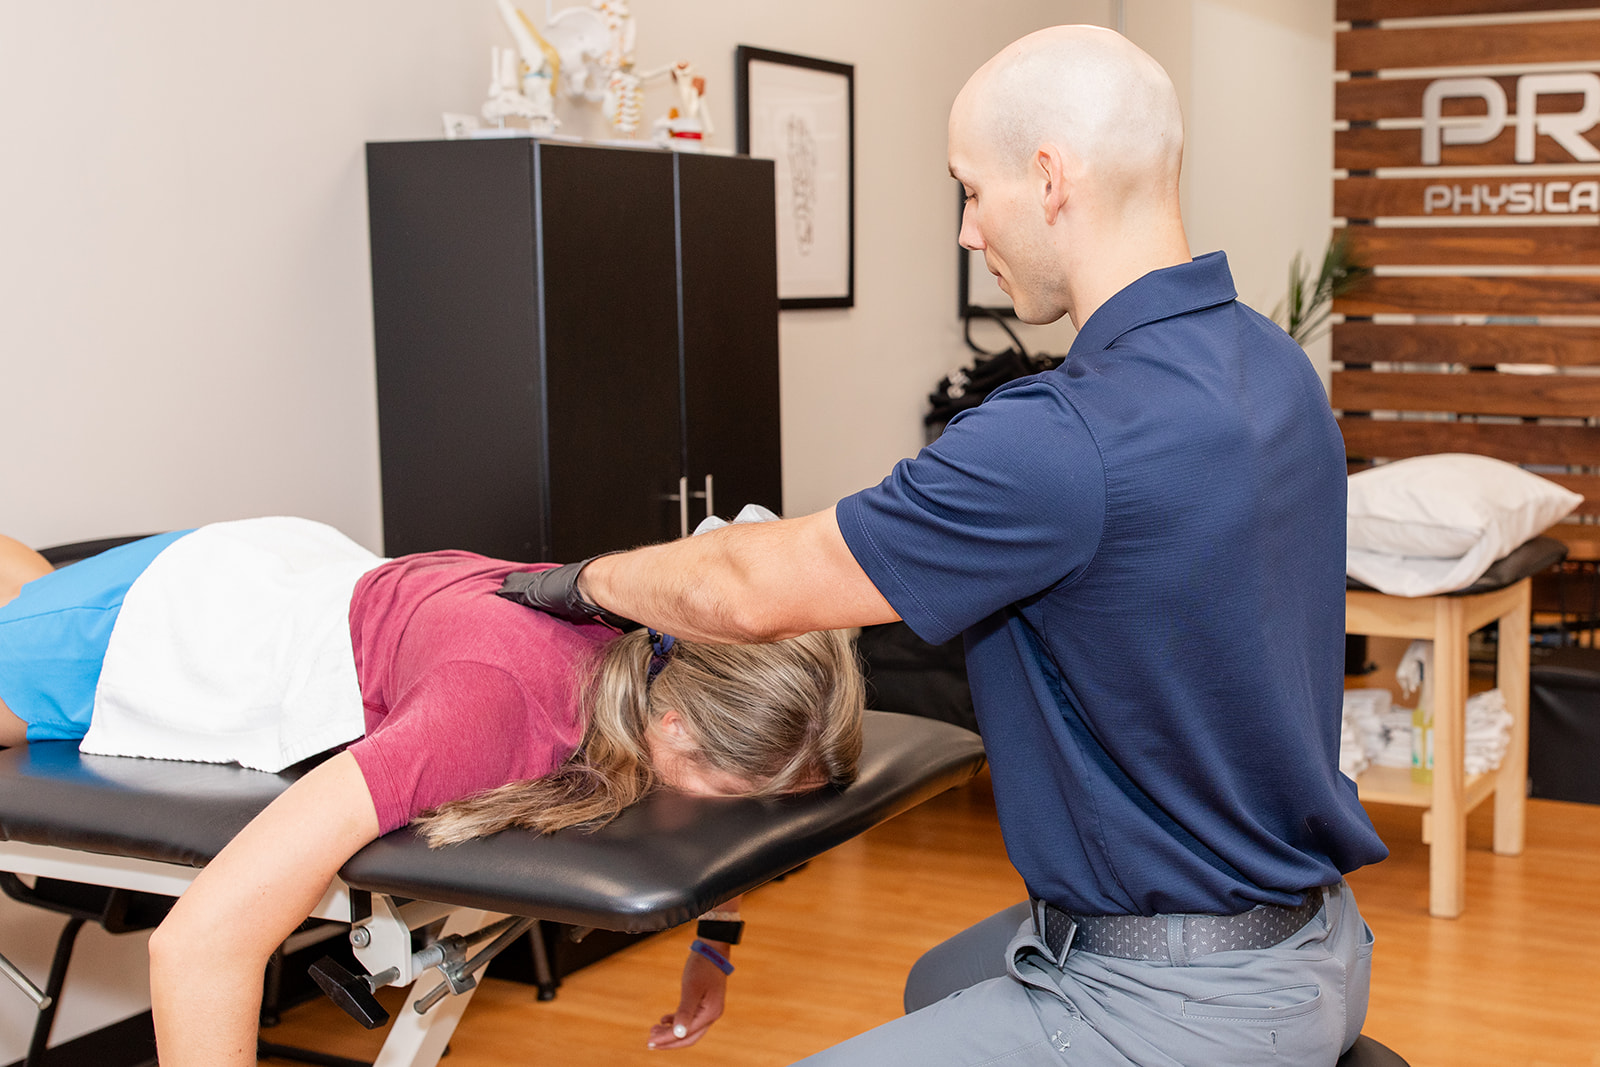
(660, 648)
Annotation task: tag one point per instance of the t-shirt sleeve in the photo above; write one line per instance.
(461, 728)
(1008, 502)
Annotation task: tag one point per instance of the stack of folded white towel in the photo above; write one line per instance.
(1375, 733)
(1361, 734)
(1488, 732)
(1352, 753)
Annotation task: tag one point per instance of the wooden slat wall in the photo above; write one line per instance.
(1487, 274)
(1372, 10)
(1475, 245)
(1364, 49)
(1469, 199)
(1369, 149)
(1469, 295)
(1516, 443)
(1370, 99)
(1474, 346)
(1485, 393)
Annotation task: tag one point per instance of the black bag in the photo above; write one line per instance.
(1564, 725)
(966, 387)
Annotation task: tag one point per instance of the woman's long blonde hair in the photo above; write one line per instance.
(785, 717)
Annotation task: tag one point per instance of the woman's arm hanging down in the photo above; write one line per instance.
(207, 958)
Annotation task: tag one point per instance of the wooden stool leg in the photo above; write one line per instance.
(1447, 859)
(1511, 675)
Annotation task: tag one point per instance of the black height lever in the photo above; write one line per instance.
(353, 992)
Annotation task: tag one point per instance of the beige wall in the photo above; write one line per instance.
(186, 324)
(1261, 165)
(1255, 78)
(186, 329)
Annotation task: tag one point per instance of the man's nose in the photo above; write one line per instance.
(970, 236)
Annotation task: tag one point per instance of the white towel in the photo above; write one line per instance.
(1488, 732)
(1352, 754)
(234, 646)
(748, 513)
(1361, 738)
(1395, 748)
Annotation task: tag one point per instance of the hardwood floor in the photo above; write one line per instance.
(1514, 981)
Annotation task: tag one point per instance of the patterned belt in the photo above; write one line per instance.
(1175, 939)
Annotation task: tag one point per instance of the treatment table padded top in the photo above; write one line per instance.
(661, 863)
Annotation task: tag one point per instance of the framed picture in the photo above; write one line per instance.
(799, 112)
(977, 290)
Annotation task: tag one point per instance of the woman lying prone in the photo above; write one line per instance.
(270, 640)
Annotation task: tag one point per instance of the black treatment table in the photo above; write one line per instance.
(150, 825)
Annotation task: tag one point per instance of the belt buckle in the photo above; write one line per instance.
(1056, 930)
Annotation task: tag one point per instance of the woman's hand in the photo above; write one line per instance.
(699, 1005)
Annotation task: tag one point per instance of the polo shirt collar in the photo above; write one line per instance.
(1201, 283)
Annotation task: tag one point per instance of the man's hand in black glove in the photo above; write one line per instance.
(555, 592)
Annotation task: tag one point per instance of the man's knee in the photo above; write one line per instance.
(974, 955)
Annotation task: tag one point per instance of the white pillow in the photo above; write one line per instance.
(1432, 524)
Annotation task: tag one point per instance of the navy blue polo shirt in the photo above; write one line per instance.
(1144, 549)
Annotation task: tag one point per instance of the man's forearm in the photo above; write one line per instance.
(745, 583)
(696, 588)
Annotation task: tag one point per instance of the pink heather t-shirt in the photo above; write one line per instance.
(463, 690)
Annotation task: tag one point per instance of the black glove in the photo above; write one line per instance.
(555, 592)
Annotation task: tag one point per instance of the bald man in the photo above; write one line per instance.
(1144, 550)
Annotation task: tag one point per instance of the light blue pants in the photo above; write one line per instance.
(990, 995)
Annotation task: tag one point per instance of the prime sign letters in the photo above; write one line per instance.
(1566, 128)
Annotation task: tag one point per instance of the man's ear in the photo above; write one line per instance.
(1050, 173)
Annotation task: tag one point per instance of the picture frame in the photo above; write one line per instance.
(799, 112)
(978, 292)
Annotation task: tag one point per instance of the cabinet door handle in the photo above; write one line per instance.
(681, 498)
(707, 494)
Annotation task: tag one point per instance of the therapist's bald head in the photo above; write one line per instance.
(1069, 142)
(1088, 89)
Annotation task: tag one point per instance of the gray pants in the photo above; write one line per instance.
(990, 995)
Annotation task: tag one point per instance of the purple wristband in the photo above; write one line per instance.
(721, 962)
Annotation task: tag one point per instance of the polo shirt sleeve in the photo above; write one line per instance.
(1008, 502)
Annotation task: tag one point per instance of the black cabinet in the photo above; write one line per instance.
(577, 346)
